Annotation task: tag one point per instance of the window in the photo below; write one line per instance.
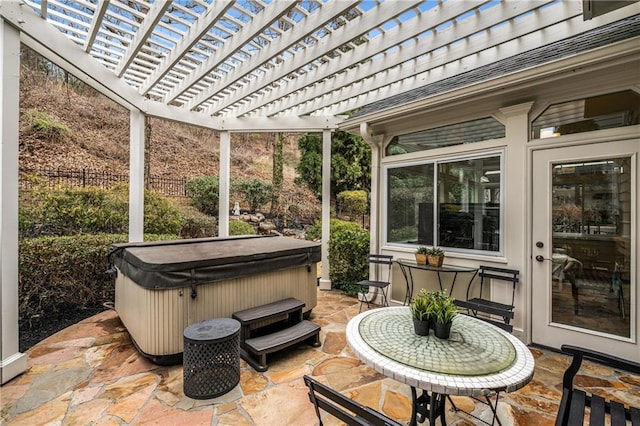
(456, 134)
(454, 204)
(584, 115)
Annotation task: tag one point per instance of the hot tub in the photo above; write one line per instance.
(163, 287)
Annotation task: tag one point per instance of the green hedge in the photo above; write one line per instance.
(196, 224)
(353, 203)
(204, 194)
(66, 272)
(90, 210)
(314, 232)
(348, 251)
(239, 227)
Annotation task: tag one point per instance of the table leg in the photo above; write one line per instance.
(493, 407)
(408, 278)
(427, 406)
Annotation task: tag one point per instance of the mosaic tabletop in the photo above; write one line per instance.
(474, 349)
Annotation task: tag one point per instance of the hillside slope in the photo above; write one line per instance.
(99, 140)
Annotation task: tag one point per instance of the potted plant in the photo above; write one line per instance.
(422, 312)
(435, 256)
(421, 255)
(444, 310)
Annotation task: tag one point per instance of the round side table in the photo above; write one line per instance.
(211, 358)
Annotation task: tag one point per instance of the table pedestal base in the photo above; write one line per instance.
(427, 406)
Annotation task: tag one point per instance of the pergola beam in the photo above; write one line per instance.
(156, 11)
(330, 43)
(358, 95)
(412, 60)
(302, 29)
(193, 36)
(101, 9)
(232, 45)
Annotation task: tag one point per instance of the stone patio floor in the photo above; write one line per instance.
(90, 373)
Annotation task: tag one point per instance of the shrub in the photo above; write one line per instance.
(67, 272)
(239, 227)
(89, 210)
(256, 191)
(196, 224)
(204, 194)
(353, 203)
(314, 232)
(348, 251)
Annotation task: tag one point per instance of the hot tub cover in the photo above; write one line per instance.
(181, 263)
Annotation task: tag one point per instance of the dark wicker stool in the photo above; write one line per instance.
(211, 359)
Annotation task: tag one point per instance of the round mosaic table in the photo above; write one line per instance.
(478, 360)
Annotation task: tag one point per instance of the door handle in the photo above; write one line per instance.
(541, 258)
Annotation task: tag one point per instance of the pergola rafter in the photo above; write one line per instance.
(234, 60)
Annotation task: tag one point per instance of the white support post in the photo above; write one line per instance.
(516, 121)
(325, 282)
(136, 175)
(224, 184)
(12, 362)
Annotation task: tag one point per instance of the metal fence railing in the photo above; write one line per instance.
(174, 187)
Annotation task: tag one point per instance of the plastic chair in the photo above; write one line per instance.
(383, 264)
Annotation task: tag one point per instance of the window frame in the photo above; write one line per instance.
(436, 161)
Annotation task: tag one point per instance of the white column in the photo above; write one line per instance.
(136, 175)
(325, 282)
(224, 184)
(516, 121)
(12, 362)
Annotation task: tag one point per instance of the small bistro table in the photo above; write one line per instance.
(406, 265)
(478, 360)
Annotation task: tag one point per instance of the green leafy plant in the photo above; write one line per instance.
(422, 306)
(314, 232)
(422, 250)
(196, 224)
(204, 194)
(65, 272)
(348, 251)
(444, 308)
(256, 191)
(434, 251)
(239, 227)
(90, 210)
(353, 203)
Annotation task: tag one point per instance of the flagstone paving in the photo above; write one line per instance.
(90, 373)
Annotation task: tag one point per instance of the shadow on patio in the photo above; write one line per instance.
(90, 373)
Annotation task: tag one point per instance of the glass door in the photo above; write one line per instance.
(584, 265)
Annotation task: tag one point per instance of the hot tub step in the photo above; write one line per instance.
(253, 318)
(269, 343)
(270, 310)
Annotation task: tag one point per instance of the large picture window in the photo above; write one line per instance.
(454, 204)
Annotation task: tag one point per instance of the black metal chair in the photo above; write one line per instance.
(349, 411)
(483, 308)
(383, 265)
(574, 403)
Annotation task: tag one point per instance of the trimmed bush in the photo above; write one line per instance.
(67, 272)
(353, 203)
(204, 194)
(89, 210)
(348, 251)
(314, 232)
(256, 192)
(239, 227)
(196, 224)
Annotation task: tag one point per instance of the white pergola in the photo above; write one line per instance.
(255, 65)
